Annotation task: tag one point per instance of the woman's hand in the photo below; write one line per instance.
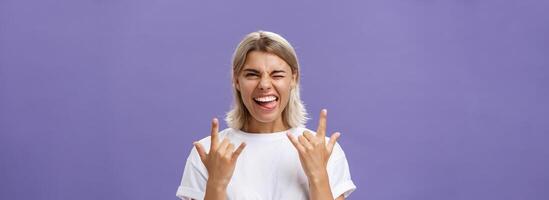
(220, 163)
(314, 154)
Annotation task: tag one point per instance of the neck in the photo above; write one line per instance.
(254, 126)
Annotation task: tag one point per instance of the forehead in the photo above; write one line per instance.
(264, 61)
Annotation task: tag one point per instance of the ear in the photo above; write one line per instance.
(236, 84)
(294, 80)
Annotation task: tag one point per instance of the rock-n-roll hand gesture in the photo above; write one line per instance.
(314, 154)
(220, 161)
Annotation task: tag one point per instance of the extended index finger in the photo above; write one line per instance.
(321, 130)
(215, 129)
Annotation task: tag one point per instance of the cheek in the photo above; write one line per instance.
(284, 85)
(246, 89)
(284, 89)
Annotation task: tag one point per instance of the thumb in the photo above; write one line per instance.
(201, 152)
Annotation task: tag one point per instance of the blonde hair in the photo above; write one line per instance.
(294, 114)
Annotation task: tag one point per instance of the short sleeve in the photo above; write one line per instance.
(195, 177)
(339, 174)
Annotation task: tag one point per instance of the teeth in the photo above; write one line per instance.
(265, 99)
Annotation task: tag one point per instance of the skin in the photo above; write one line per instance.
(265, 73)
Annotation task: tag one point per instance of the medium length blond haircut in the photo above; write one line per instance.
(294, 114)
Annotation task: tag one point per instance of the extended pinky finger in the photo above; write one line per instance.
(239, 150)
(332, 142)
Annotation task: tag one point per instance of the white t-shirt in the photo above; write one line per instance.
(267, 169)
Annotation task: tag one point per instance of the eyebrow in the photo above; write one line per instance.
(257, 72)
(278, 71)
(251, 70)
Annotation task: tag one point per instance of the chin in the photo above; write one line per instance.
(266, 118)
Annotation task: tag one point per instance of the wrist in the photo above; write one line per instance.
(319, 187)
(217, 185)
(215, 191)
(318, 178)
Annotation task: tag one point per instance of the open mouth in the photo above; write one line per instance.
(266, 102)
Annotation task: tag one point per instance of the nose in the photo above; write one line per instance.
(265, 84)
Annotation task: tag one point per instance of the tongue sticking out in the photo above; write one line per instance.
(268, 105)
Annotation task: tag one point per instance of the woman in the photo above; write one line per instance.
(276, 156)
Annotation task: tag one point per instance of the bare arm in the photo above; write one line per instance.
(216, 191)
(319, 188)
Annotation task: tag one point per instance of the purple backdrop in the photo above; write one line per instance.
(435, 99)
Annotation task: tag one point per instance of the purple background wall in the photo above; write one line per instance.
(435, 99)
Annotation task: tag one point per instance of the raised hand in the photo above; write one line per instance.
(221, 159)
(313, 150)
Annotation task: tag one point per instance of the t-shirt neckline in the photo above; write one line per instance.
(264, 136)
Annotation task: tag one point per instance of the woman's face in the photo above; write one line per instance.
(264, 84)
